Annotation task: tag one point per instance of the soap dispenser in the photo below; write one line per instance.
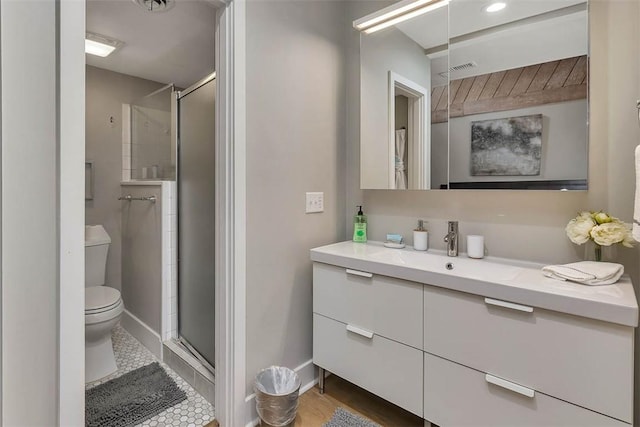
(420, 237)
(360, 227)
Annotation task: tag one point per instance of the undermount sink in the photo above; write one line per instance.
(461, 266)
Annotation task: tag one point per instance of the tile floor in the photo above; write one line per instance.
(130, 354)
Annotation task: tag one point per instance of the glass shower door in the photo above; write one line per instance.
(196, 220)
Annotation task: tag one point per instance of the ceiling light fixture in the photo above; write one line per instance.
(95, 44)
(495, 7)
(397, 13)
(155, 5)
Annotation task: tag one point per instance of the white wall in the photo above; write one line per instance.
(29, 205)
(564, 143)
(42, 213)
(106, 91)
(295, 143)
(621, 77)
(142, 266)
(385, 51)
(71, 62)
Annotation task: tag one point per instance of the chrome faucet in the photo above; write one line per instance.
(451, 239)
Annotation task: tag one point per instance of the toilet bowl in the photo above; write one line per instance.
(103, 307)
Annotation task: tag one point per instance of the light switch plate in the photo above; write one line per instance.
(315, 202)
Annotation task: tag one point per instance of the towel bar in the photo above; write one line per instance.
(130, 198)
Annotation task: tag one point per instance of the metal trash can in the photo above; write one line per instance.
(277, 390)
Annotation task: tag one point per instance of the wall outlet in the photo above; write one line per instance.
(315, 202)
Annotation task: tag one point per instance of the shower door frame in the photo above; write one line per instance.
(180, 339)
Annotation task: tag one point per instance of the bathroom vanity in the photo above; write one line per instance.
(459, 341)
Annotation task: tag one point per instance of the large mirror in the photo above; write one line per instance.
(476, 95)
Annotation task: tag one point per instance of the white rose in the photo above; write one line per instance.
(628, 238)
(609, 233)
(579, 229)
(602, 218)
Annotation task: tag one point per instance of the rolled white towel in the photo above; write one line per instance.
(586, 272)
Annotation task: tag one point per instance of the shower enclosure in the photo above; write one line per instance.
(196, 220)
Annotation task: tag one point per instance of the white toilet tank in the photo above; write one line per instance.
(96, 247)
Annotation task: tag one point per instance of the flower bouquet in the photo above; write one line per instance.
(602, 228)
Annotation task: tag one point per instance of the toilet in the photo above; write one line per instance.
(103, 306)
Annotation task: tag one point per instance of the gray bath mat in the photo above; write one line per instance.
(132, 398)
(344, 418)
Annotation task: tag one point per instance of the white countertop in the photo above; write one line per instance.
(511, 280)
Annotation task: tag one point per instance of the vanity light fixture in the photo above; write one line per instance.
(397, 13)
(495, 7)
(95, 44)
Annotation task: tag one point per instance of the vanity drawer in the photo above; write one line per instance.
(386, 368)
(459, 396)
(391, 308)
(583, 361)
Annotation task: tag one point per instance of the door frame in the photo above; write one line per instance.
(419, 139)
(230, 303)
(230, 211)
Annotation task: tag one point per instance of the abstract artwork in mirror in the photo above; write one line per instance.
(509, 147)
(529, 59)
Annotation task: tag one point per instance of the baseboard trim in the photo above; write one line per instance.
(143, 333)
(308, 378)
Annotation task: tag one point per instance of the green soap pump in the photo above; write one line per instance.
(360, 227)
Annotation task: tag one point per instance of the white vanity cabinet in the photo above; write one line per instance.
(474, 357)
(582, 361)
(368, 330)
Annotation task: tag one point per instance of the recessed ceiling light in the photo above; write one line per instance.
(495, 7)
(95, 44)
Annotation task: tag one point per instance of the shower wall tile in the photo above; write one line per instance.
(169, 261)
(174, 280)
(174, 305)
(174, 320)
(126, 142)
(166, 276)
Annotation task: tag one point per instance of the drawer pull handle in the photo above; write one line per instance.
(359, 273)
(510, 386)
(508, 305)
(359, 331)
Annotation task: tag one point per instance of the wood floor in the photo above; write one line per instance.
(315, 409)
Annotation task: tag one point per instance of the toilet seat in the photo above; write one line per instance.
(102, 304)
(104, 316)
(98, 299)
